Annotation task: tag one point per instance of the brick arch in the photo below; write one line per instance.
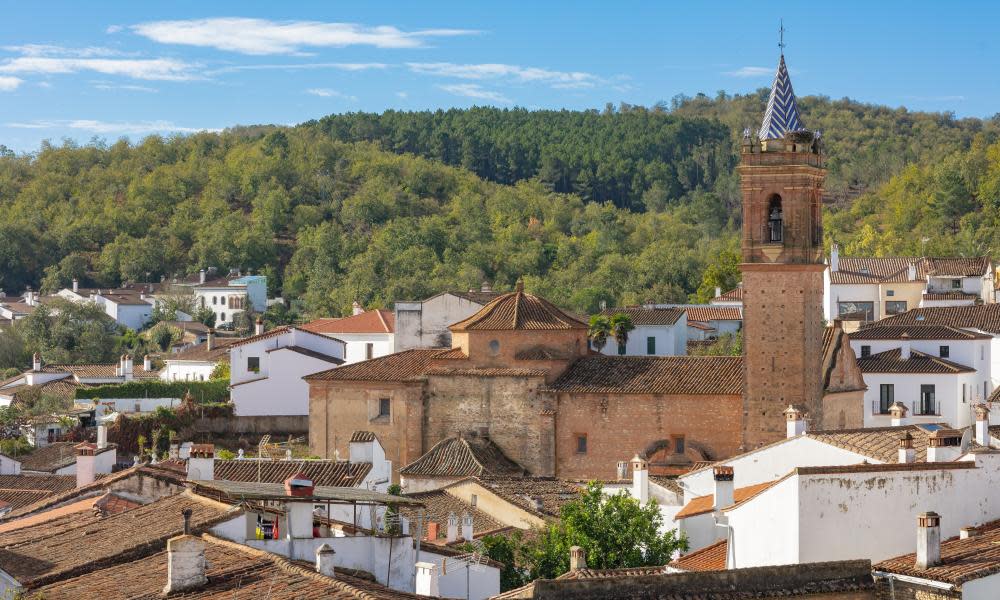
(694, 451)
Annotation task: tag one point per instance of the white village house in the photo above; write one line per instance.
(367, 334)
(658, 332)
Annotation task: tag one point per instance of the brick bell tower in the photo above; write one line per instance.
(781, 175)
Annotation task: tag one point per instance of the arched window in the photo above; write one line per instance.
(774, 219)
(215, 300)
(222, 317)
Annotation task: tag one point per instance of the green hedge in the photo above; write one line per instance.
(203, 391)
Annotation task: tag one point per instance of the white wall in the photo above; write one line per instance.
(187, 370)
(984, 588)
(282, 391)
(133, 316)
(9, 466)
(842, 292)
(700, 530)
(128, 405)
(483, 580)
(425, 324)
(770, 536)
(954, 410)
(382, 344)
(671, 340)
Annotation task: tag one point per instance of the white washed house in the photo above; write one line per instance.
(658, 332)
(367, 334)
(227, 296)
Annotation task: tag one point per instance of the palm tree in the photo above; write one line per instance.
(599, 331)
(621, 324)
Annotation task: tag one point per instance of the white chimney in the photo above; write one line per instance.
(85, 463)
(718, 291)
(486, 287)
(928, 540)
(835, 258)
(427, 580)
(452, 528)
(467, 529)
(147, 363)
(201, 463)
(943, 445)
(324, 561)
(36, 362)
(966, 532)
(577, 558)
(76, 285)
(621, 469)
(907, 454)
(209, 339)
(357, 309)
(201, 276)
(983, 425)
(897, 414)
(186, 562)
(724, 484)
(640, 479)
(795, 422)
(102, 436)
(259, 326)
(127, 368)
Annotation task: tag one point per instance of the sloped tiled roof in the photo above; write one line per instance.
(891, 361)
(370, 321)
(270, 334)
(965, 560)
(950, 296)
(49, 458)
(106, 371)
(781, 115)
(703, 504)
(519, 311)
(642, 316)
(362, 437)
(880, 331)
(201, 353)
(321, 472)
(895, 269)
(550, 491)
(985, 317)
(479, 297)
(877, 443)
(733, 295)
(23, 490)
(399, 366)
(463, 457)
(541, 353)
(710, 375)
(439, 504)
(710, 558)
(714, 313)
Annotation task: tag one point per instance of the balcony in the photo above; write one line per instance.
(915, 408)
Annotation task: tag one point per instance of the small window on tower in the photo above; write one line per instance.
(775, 221)
(581, 443)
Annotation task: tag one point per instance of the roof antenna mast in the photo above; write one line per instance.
(781, 35)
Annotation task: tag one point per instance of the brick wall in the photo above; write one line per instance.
(899, 590)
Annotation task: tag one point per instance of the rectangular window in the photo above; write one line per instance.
(927, 402)
(895, 307)
(964, 391)
(956, 284)
(253, 364)
(383, 407)
(944, 351)
(887, 395)
(581, 443)
(866, 351)
(369, 351)
(890, 293)
(856, 311)
(621, 349)
(678, 444)
(650, 345)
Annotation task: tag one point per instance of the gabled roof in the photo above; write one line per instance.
(985, 317)
(642, 316)
(708, 375)
(965, 560)
(704, 504)
(321, 472)
(891, 361)
(714, 313)
(463, 457)
(399, 366)
(881, 331)
(733, 295)
(895, 269)
(878, 443)
(273, 333)
(370, 321)
(782, 113)
(710, 558)
(551, 492)
(439, 504)
(49, 458)
(519, 311)
(201, 353)
(22, 490)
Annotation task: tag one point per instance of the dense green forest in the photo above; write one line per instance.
(621, 205)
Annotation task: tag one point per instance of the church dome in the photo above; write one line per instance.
(519, 311)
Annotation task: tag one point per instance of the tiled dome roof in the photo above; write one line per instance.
(519, 311)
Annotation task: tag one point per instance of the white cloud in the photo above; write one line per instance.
(51, 50)
(108, 86)
(557, 79)
(164, 69)
(328, 93)
(300, 66)
(750, 72)
(107, 127)
(263, 36)
(114, 29)
(403, 95)
(9, 84)
(472, 90)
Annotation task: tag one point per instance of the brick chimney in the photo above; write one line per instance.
(795, 422)
(299, 486)
(356, 308)
(897, 412)
(85, 463)
(324, 561)
(640, 479)
(258, 326)
(904, 348)
(186, 562)
(467, 528)
(907, 454)
(577, 558)
(300, 515)
(724, 487)
(432, 531)
(427, 580)
(928, 540)
(835, 258)
(983, 425)
(452, 528)
(201, 463)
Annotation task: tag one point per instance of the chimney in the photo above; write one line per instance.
(324, 561)
(36, 362)
(724, 497)
(621, 470)
(928, 540)
(904, 348)
(427, 580)
(486, 288)
(127, 367)
(147, 363)
(356, 308)
(835, 258)
(174, 452)
(911, 272)
(718, 291)
(467, 529)
(185, 560)
(299, 486)
(259, 326)
(604, 305)
(640, 479)
(300, 515)
(102, 436)
(944, 445)
(76, 285)
(966, 532)
(452, 528)
(209, 339)
(897, 414)
(577, 558)
(85, 459)
(907, 454)
(432, 531)
(201, 463)
(795, 422)
(983, 425)
(201, 276)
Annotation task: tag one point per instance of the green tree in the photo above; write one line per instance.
(598, 331)
(723, 273)
(504, 550)
(621, 325)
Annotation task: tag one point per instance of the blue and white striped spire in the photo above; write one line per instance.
(782, 114)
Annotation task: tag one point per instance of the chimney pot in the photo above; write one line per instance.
(724, 477)
(36, 362)
(85, 463)
(432, 531)
(577, 558)
(356, 308)
(640, 479)
(427, 580)
(928, 540)
(795, 421)
(259, 326)
(467, 527)
(209, 339)
(147, 363)
(966, 532)
(324, 561)
(201, 462)
(983, 425)
(76, 285)
(897, 412)
(622, 470)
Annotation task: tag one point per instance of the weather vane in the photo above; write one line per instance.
(781, 35)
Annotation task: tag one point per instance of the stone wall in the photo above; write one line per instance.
(256, 424)
(899, 590)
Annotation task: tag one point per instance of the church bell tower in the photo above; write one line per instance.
(781, 176)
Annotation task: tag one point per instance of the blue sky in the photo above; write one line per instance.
(112, 69)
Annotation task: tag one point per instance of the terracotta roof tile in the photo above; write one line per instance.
(881, 331)
(733, 295)
(451, 354)
(519, 311)
(438, 504)
(552, 493)
(23, 490)
(541, 353)
(486, 372)
(703, 504)
(270, 334)
(647, 316)
(891, 361)
(370, 321)
(710, 558)
(201, 353)
(463, 457)
(321, 472)
(985, 317)
(363, 437)
(713, 313)
(49, 458)
(877, 443)
(961, 560)
(613, 573)
(895, 269)
(950, 296)
(708, 375)
(399, 366)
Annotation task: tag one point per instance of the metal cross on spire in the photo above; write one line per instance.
(781, 35)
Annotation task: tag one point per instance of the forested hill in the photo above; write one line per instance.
(363, 207)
